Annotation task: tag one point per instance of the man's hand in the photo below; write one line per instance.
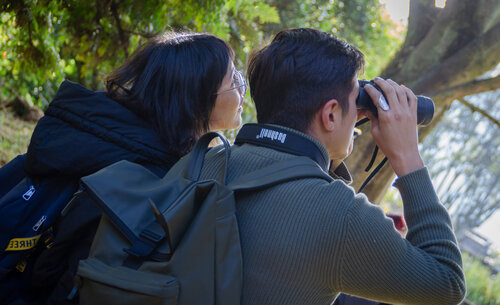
(395, 129)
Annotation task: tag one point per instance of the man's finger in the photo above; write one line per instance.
(412, 98)
(401, 94)
(389, 92)
(377, 98)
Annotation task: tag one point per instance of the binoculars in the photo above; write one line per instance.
(425, 106)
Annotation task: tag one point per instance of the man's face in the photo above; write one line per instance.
(342, 141)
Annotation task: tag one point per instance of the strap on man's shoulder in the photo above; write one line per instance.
(280, 172)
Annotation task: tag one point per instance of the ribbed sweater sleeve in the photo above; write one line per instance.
(377, 263)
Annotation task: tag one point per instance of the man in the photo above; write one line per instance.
(305, 241)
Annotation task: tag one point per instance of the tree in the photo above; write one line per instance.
(445, 55)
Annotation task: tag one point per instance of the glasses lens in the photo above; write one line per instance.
(240, 82)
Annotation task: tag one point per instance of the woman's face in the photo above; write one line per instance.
(226, 113)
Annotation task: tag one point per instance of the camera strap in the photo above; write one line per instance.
(370, 164)
(281, 139)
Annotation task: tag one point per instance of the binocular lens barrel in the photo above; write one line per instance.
(425, 106)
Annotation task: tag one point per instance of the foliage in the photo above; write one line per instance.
(462, 153)
(43, 42)
(483, 288)
(360, 22)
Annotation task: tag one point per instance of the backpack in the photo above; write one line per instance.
(28, 208)
(172, 240)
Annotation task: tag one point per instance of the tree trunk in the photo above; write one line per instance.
(444, 54)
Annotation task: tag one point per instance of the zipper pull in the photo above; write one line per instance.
(27, 195)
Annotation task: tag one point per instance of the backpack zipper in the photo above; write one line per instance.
(76, 195)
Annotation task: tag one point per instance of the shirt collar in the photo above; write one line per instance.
(275, 136)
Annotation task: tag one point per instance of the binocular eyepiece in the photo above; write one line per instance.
(425, 106)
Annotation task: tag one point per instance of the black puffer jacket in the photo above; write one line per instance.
(83, 131)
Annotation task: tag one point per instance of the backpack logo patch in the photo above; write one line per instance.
(19, 244)
(29, 193)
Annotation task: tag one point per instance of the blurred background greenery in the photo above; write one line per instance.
(451, 54)
(44, 42)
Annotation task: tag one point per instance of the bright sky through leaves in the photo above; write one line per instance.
(397, 9)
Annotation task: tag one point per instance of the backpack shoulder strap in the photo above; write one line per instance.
(283, 171)
(195, 163)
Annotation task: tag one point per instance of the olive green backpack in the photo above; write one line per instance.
(171, 240)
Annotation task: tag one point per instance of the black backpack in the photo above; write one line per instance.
(171, 240)
(28, 208)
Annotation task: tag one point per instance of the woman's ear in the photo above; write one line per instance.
(329, 115)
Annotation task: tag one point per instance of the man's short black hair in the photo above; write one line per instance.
(295, 75)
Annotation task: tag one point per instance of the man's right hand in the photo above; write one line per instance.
(395, 130)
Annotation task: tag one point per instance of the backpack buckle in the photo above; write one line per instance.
(151, 236)
(145, 244)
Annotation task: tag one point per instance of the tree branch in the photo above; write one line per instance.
(468, 88)
(479, 110)
(121, 34)
(470, 62)
(422, 16)
(421, 19)
(456, 26)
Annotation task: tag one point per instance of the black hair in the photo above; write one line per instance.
(298, 72)
(171, 81)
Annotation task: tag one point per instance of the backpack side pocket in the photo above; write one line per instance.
(122, 285)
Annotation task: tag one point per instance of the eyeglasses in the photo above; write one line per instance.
(239, 83)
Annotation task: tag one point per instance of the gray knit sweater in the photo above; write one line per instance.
(305, 241)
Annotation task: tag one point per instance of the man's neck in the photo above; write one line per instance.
(319, 137)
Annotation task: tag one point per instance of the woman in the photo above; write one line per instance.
(172, 90)
(195, 74)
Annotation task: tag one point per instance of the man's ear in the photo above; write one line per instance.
(329, 114)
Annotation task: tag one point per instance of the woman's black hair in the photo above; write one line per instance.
(172, 81)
